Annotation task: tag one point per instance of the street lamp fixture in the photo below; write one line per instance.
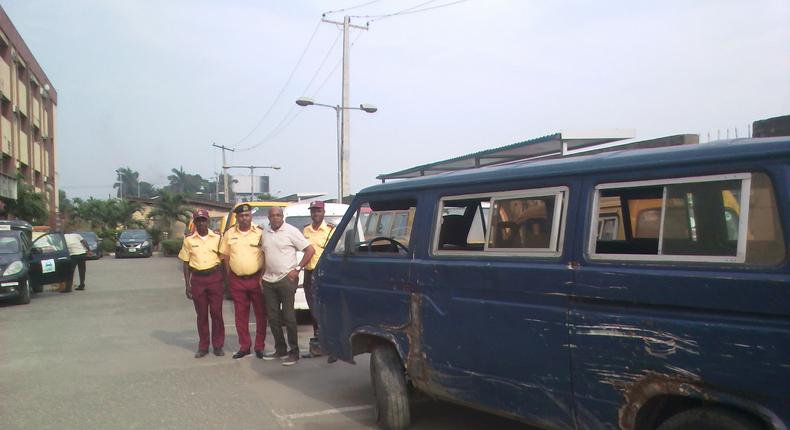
(342, 164)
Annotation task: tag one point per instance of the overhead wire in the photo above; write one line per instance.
(286, 121)
(351, 8)
(282, 90)
(275, 131)
(408, 11)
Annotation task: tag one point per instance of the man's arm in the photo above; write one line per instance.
(188, 288)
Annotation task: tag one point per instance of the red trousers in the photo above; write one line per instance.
(207, 292)
(246, 291)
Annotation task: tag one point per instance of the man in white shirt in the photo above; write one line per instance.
(79, 252)
(280, 243)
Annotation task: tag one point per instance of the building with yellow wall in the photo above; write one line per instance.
(28, 103)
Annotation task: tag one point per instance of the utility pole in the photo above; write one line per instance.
(345, 133)
(224, 169)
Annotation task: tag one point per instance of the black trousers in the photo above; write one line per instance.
(78, 262)
(280, 307)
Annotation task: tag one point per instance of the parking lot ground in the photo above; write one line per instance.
(119, 356)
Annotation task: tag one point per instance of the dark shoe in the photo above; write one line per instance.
(240, 354)
(274, 355)
(292, 359)
(259, 353)
(201, 353)
(219, 352)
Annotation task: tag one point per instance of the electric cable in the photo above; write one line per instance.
(351, 8)
(282, 90)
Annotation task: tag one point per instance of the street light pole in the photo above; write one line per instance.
(342, 145)
(120, 183)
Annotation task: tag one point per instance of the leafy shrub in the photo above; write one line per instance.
(172, 246)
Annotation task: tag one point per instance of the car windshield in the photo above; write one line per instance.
(89, 236)
(134, 234)
(9, 245)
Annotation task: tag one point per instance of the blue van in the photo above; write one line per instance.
(634, 289)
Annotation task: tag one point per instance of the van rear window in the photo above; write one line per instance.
(725, 218)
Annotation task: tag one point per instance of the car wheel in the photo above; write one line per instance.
(24, 294)
(710, 419)
(390, 389)
(37, 288)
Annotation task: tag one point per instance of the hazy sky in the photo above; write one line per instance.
(151, 84)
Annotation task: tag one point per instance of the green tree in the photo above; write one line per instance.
(29, 205)
(130, 181)
(169, 208)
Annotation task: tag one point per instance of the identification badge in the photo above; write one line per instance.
(48, 266)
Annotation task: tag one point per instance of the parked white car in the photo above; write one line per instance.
(298, 215)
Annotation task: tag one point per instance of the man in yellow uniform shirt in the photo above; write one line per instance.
(317, 233)
(204, 282)
(241, 249)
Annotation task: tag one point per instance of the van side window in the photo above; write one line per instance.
(522, 222)
(379, 227)
(691, 219)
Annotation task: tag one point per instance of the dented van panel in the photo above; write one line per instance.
(584, 335)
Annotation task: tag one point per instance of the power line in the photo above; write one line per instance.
(351, 8)
(286, 121)
(408, 11)
(282, 90)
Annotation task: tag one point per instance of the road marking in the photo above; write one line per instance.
(286, 420)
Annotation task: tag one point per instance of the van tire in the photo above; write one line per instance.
(710, 419)
(390, 389)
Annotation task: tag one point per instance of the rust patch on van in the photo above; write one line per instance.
(415, 361)
(680, 382)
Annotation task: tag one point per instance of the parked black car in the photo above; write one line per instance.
(94, 243)
(134, 243)
(26, 265)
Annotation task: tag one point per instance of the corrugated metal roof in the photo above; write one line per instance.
(539, 147)
(708, 153)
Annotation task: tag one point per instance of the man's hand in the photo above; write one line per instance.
(293, 275)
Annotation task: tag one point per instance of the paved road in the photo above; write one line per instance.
(119, 356)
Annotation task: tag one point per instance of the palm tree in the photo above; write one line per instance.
(130, 180)
(125, 211)
(169, 208)
(178, 179)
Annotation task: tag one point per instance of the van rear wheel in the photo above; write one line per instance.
(390, 390)
(710, 419)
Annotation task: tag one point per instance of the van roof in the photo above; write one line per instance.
(704, 153)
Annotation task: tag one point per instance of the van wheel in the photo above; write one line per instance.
(710, 419)
(24, 297)
(389, 388)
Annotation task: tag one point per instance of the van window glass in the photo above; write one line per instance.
(379, 227)
(765, 239)
(525, 221)
(522, 222)
(698, 219)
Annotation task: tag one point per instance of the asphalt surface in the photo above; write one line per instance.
(119, 355)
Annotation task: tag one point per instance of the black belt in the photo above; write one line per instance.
(204, 272)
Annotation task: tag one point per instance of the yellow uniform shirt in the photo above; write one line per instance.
(243, 249)
(201, 253)
(318, 238)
